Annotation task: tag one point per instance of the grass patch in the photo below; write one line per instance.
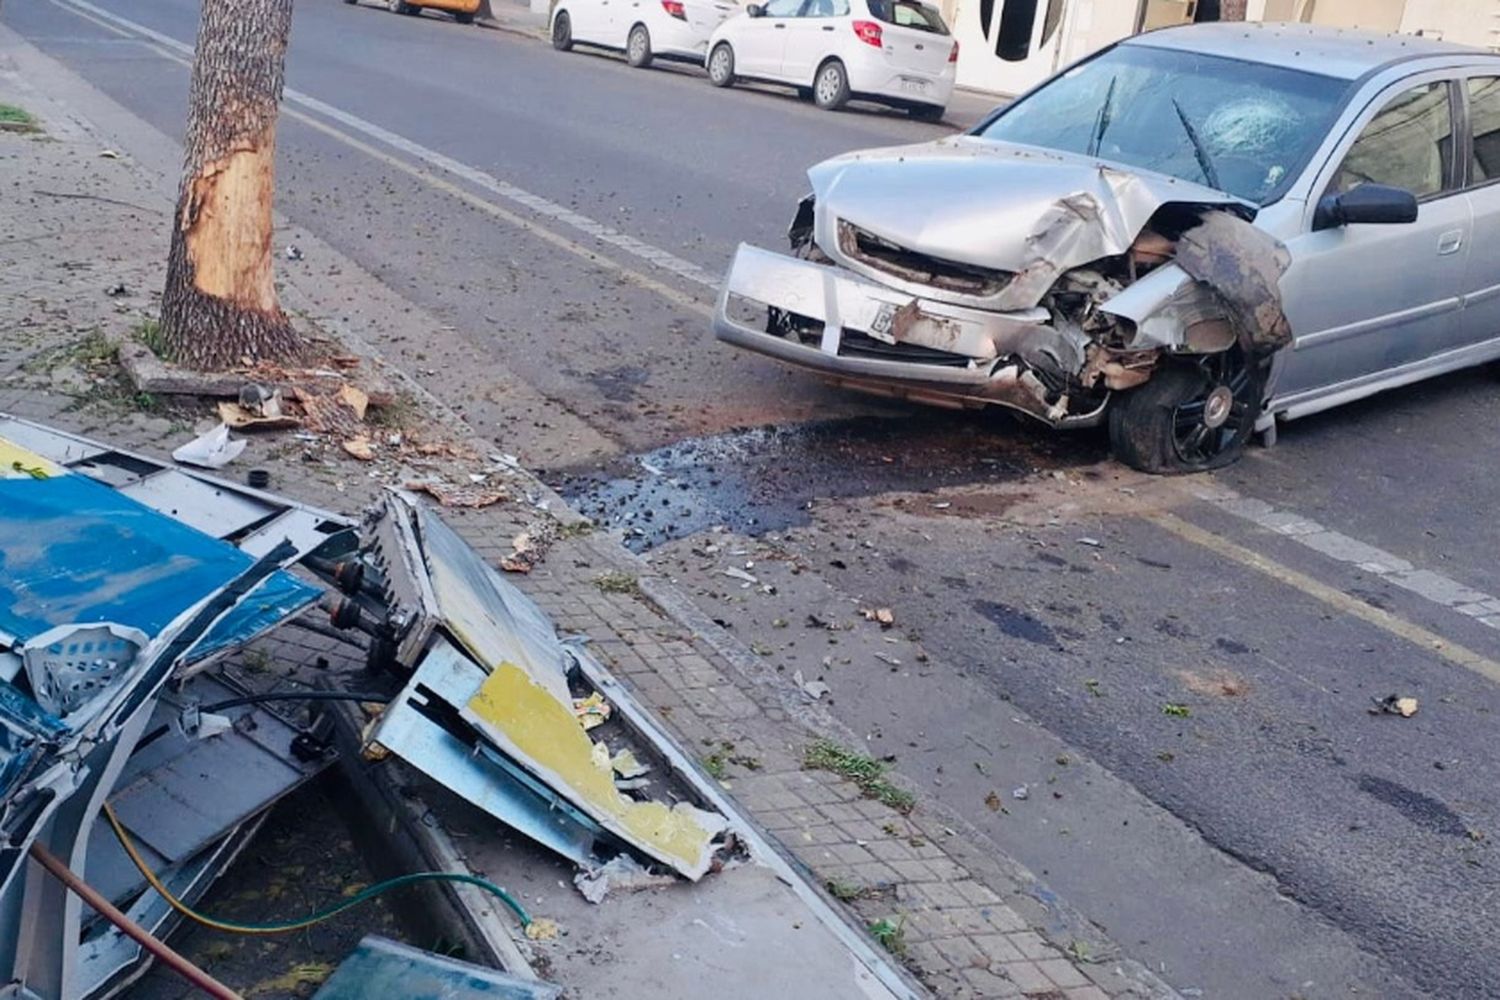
(149, 334)
(718, 761)
(401, 414)
(617, 583)
(891, 934)
(1176, 710)
(576, 529)
(14, 119)
(716, 764)
(865, 771)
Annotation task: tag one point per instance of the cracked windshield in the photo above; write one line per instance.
(1244, 128)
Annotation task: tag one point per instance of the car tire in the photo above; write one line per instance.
(638, 47)
(805, 93)
(831, 86)
(927, 112)
(562, 31)
(1191, 416)
(721, 65)
(463, 18)
(351, 2)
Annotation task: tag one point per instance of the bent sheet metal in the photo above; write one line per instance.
(496, 723)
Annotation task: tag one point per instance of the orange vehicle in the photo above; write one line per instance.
(462, 10)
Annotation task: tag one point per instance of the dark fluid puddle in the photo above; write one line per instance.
(764, 479)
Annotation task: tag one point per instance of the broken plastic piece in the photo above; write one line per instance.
(210, 450)
(1392, 704)
(591, 711)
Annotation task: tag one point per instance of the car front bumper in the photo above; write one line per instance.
(858, 349)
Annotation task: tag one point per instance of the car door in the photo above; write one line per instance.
(811, 36)
(705, 16)
(762, 43)
(1364, 299)
(590, 20)
(1481, 316)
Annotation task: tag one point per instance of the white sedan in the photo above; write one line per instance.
(643, 29)
(897, 52)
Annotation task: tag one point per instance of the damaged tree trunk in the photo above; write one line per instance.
(219, 305)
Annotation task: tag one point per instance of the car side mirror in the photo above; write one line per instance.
(1377, 204)
(755, 10)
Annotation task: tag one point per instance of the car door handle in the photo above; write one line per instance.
(778, 26)
(827, 27)
(1450, 242)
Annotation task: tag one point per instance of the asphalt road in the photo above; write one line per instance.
(1277, 840)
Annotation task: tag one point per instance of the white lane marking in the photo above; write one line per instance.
(1435, 587)
(655, 256)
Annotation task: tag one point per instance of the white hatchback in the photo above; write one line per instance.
(897, 52)
(642, 29)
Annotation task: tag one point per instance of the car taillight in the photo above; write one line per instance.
(953, 56)
(674, 7)
(868, 32)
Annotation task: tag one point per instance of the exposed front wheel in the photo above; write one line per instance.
(721, 65)
(638, 47)
(831, 86)
(1193, 415)
(562, 31)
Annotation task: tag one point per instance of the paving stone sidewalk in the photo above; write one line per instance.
(82, 250)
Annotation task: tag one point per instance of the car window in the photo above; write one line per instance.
(1484, 120)
(783, 8)
(1408, 144)
(827, 8)
(1243, 127)
(908, 14)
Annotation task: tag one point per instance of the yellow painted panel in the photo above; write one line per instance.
(529, 723)
(18, 463)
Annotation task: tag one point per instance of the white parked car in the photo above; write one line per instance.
(897, 52)
(643, 29)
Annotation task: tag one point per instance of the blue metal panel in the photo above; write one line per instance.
(74, 551)
(382, 968)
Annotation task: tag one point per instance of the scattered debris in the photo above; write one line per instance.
(735, 573)
(458, 496)
(361, 447)
(1092, 543)
(109, 154)
(257, 410)
(1392, 704)
(592, 711)
(992, 801)
(292, 252)
(542, 929)
(524, 554)
(626, 766)
(617, 583)
(885, 616)
(813, 689)
(622, 873)
(1176, 710)
(117, 290)
(210, 450)
(1020, 793)
(1092, 687)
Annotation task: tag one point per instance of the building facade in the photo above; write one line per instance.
(1009, 46)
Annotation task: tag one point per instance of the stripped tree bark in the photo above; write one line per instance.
(219, 306)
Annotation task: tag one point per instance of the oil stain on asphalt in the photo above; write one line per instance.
(766, 478)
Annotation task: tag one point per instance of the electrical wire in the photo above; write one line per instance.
(363, 896)
(95, 899)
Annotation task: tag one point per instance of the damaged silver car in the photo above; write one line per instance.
(1187, 237)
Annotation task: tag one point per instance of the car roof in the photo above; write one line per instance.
(1339, 52)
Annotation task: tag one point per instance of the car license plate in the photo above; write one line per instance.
(914, 86)
(880, 326)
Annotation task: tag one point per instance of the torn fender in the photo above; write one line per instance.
(1225, 269)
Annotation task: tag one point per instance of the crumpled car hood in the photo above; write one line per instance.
(1036, 213)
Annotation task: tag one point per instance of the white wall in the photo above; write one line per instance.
(1471, 22)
